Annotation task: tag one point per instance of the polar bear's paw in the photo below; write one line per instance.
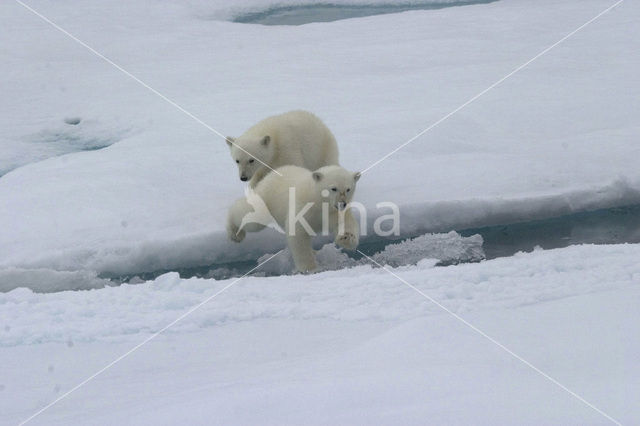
(347, 240)
(309, 267)
(235, 234)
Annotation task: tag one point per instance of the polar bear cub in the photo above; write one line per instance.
(303, 203)
(298, 138)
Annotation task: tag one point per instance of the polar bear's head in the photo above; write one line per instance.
(250, 154)
(336, 184)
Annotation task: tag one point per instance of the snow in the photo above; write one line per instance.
(344, 346)
(70, 135)
(44, 280)
(100, 177)
(558, 137)
(354, 294)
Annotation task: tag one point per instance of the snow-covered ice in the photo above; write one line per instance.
(559, 136)
(100, 177)
(353, 294)
(355, 344)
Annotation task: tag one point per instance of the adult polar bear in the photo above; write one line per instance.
(303, 203)
(298, 138)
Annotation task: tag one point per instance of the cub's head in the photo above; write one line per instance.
(336, 184)
(250, 154)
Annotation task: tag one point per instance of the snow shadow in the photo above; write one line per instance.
(327, 12)
(71, 134)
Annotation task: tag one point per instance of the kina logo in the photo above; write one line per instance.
(260, 214)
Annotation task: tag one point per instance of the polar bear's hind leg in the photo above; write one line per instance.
(302, 252)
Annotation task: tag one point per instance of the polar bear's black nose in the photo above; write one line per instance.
(243, 178)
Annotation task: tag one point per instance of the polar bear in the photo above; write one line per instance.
(302, 203)
(298, 138)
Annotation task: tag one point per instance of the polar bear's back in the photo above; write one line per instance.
(276, 184)
(274, 190)
(301, 137)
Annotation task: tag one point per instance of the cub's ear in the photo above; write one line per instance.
(230, 140)
(265, 141)
(356, 176)
(317, 176)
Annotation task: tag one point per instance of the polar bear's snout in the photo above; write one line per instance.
(246, 167)
(343, 198)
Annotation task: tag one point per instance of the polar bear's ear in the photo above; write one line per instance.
(317, 176)
(356, 176)
(265, 141)
(230, 140)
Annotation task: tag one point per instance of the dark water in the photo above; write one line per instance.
(607, 226)
(326, 12)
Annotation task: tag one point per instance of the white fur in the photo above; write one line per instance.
(309, 188)
(298, 138)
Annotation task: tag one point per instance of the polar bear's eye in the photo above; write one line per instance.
(348, 189)
(238, 161)
(251, 161)
(334, 189)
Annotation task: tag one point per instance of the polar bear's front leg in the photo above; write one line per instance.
(236, 229)
(301, 251)
(234, 218)
(347, 231)
(234, 233)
